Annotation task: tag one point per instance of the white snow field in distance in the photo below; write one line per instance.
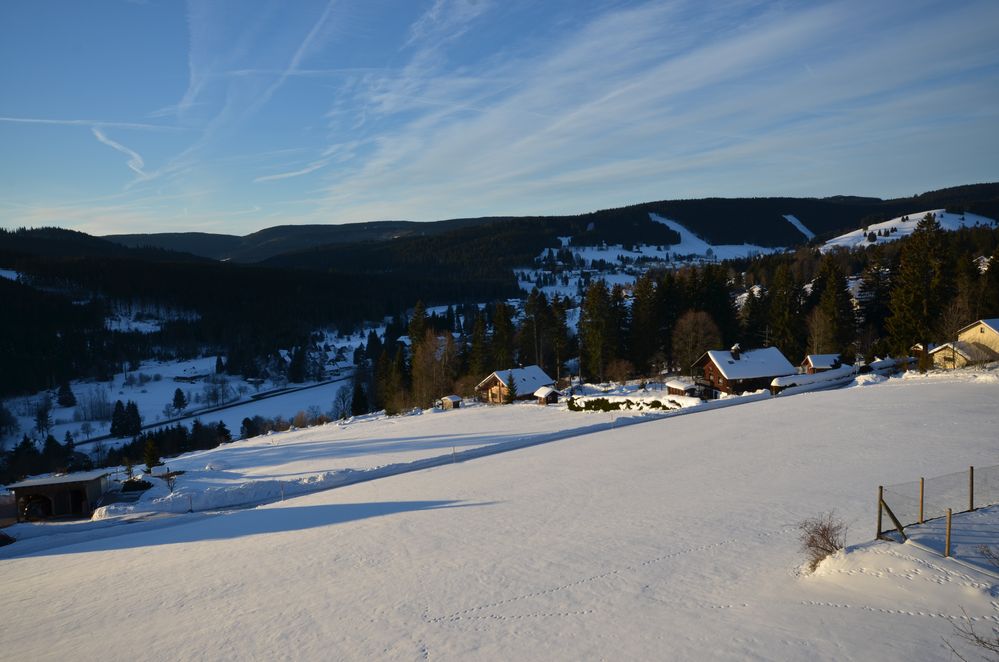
(675, 539)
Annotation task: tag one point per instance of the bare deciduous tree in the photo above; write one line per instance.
(694, 334)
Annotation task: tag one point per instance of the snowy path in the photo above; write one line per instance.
(676, 539)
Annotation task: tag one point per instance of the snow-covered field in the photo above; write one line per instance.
(674, 539)
(903, 228)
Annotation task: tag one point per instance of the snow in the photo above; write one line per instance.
(809, 235)
(9, 274)
(834, 377)
(903, 228)
(751, 364)
(544, 392)
(672, 539)
(691, 244)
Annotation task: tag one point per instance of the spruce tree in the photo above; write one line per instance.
(219, 365)
(132, 421)
(836, 306)
(595, 332)
(920, 287)
(359, 400)
(511, 391)
(179, 401)
(503, 336)
(644, 332)
(151, 455)
(786, 324)
(118, 420)
(66, 397)
(478, 353)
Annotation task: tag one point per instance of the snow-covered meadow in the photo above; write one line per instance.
(903, 226)
(672, 539)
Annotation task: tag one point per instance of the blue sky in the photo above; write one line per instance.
(232, 116)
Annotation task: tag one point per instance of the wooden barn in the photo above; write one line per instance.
(546, 395)
(495, 388)
(450, 402)
(814, 363)
(735, 371)
(960, 354)
(984, 334)
(69, 495)
(677, 387)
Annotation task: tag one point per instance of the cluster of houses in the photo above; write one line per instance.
(732, 371)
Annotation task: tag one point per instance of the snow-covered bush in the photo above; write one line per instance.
(821, 537)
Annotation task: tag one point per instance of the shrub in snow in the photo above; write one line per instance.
(821, 537)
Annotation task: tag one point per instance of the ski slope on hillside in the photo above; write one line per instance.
(691, 244)
(671, 540)
(903, 228)
(793, 220)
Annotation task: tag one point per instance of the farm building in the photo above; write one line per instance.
(735, 371)
(450, 402)
(814, 363)
(984, 334)
(69, 495)
(959, 354)
(546, 395)
(677, 387)
(495, 389)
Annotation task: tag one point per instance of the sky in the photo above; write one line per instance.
(231, 116)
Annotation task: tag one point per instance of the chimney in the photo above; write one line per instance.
(735, 351)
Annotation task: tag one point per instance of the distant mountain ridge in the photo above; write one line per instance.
(758, 221)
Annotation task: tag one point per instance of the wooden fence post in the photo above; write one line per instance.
(921, 500)
(947, 542)
(971, 488)
(881, 490)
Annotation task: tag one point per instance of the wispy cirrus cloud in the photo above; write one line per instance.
(644, 102)
(90, 122)
(135, 162)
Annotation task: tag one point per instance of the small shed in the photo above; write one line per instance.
(451, 402)
(814, 363)
(546, 395)
(68, 495)
(677, 387)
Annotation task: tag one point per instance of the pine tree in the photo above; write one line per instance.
(418, 325)
(179, 401)
(296, 368)
(644, 332)
(875, 293)
(219, 365)
(359, 400)
(478, 354)
(151, 454)
(785, 319)
(511, 391)
(66, 397)
(503, 335)
(595, 330)
(132, 421)
(222, 433)
(836, 306)
(920, 288)
(118, 420)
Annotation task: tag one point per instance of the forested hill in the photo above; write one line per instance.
(757, 221)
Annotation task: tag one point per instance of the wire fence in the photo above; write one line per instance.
(918, 501)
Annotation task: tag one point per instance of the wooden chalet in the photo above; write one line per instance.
(735, 371)
(495, 388)
(814, 363)
(984, 334)
(69, 495)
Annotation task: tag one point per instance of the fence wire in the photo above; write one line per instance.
(953, 491)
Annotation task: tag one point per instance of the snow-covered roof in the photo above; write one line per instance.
(452, 398)
(827, 361)
(677, 384)
(970, 351)
(992, 323)
(751, 364)
(78, 477)
(544, 392)
(527, 380)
